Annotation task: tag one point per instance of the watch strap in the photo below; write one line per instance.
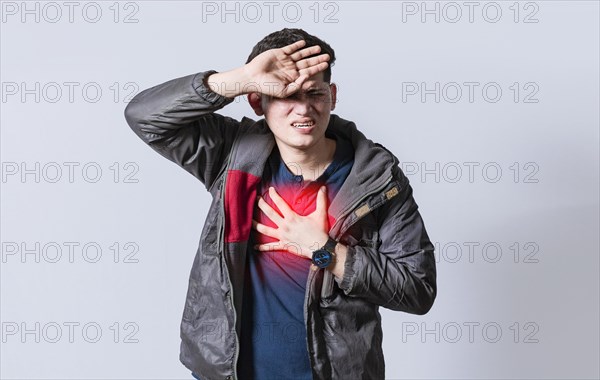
(330, 245)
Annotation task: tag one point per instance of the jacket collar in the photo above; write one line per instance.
(372, 166)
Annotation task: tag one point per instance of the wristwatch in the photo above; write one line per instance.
(323, 257)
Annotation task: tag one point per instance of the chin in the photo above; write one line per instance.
(303, 145)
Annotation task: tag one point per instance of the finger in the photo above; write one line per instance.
(307, 52)
(265, 230)
(294, 86)
(270, 212)
(312, 61)
(286, 211)
(310, 71)
(268, 247)
(322, 201)
(321, 208)
(289, 49)
(279, 246)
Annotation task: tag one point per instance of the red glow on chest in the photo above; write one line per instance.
(302, 202)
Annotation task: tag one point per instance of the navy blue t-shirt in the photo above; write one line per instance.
(273, 338)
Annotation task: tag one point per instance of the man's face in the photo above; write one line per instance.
(299, 121)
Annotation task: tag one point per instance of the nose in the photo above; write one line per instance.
(302, 104)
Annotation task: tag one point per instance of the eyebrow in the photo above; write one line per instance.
(315, 87)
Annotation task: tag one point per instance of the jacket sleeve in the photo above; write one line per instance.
(177, 120)
(400, 274)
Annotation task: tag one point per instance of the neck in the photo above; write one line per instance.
(309, 163)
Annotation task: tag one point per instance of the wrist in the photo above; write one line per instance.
(319, 242)
(324, 256)
(230, 83)
(341, 252)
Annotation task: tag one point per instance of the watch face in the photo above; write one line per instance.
(322, 258)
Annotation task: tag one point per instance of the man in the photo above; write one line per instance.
(312, 226)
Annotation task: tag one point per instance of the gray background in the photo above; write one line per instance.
(507, 185)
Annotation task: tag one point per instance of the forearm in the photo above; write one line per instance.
(395, 285)
(231, 83)
(173, 104)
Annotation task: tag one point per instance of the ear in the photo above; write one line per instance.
(255, 101)
(333, 88)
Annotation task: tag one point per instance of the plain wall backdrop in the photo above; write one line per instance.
(491, 107)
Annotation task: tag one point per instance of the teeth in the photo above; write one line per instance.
(303, 125)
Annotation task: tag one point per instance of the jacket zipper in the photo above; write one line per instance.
(221, 245)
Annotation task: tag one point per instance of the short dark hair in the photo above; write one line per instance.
(288, 36)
